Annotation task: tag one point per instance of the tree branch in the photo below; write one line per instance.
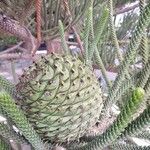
(15, 56)
(11, 48)
(13, 27)
(126, 9)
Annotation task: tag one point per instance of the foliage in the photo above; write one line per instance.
(23, 11)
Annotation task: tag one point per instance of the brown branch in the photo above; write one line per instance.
(38, 6)
(126, 9)
(8, 25)
(67, 9)
(13, 27)
(11, 48)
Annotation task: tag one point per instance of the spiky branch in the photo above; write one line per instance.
(129, 56)
(139, 124)
(20, 120)
(120, 146)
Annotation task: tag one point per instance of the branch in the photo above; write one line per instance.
(38, 5)
(126, 9)
(15, 56)
(13, 27)
(11, 48)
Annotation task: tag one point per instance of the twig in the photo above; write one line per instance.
(11, 48)
(15, 56)
(22, 49)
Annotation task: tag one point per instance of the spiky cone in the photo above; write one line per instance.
(62, 97)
